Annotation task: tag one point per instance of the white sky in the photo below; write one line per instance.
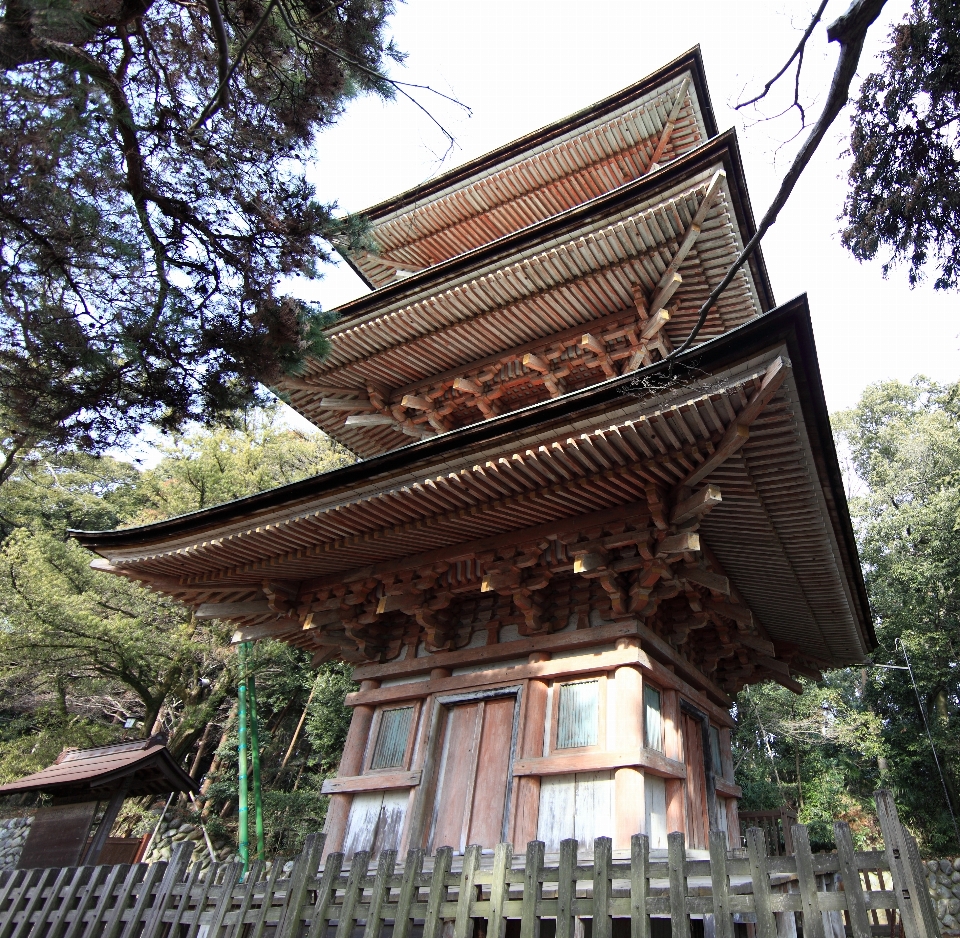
(521, 64)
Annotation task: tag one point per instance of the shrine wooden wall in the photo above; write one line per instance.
(593, 739)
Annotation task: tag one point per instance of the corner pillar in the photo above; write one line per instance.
(626, 710)
(351, 763)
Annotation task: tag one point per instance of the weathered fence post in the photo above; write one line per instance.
(146, 877)
(639, 887)
(385, 868)
(471, 863)
(351, 895)
(500, 889)
(409, 886)
(852, 886)
(57, 916)
(722, 917)
(249, 877)
(602, 887)
(325, 894)
(174, 873)
(566, 888)
(532, 887)
(432, 924)
(812, 916)
(677, 861)
(231, 876)
(32, 879)
(916, 909)
(757, 852)
(106, 875)
(306, 867)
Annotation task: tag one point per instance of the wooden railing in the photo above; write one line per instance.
(777, 825)
(480, 894)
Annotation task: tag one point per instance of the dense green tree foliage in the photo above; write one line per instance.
(904, 198)
(147, 240)
(827, 751)
(81, 652)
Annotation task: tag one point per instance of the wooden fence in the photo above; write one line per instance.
(484, 895)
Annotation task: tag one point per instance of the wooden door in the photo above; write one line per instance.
(695, 786)
(474, 774)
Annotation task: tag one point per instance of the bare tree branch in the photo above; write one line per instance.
(798, 52)
(850, 30)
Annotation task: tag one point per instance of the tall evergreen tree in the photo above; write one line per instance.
(153, 204)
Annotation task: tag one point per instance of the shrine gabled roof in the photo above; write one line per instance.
(456, 342)
(138, 767)
(715, 416)
(557, 167)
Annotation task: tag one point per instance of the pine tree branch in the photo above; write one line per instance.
(373, 73)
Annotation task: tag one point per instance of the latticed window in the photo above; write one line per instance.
(578, 719)
(392, 738)
(652, 719)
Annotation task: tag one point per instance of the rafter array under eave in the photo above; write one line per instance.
(561, 315)
(726, 431)
(581, 165)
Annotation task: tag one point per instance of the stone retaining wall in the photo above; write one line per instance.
(174, 830)
(13, 835)
(943, 880)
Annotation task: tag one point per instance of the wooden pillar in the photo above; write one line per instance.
(673, 749)
(733, 823)
(726, 763)
(526, 795)
(726, 753)
(106, 823)
(351, 763)
(627, 706)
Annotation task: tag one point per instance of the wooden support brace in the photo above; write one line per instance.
(679, 544)
(664, 293)
(709, 579)
(258, 607)
(416, 403)
(370, 420)
(696, 505)
(340, 403)
(669, 125)
(654, 324)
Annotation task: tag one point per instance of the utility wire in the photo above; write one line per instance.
(933, 749)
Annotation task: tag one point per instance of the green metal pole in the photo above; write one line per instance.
(255, 753)
(242, 841)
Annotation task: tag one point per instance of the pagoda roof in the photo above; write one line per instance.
(557, 167)
(742, 416)
(570, 294)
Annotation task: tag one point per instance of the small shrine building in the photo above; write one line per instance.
(559, 556)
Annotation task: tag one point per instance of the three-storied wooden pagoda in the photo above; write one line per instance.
(551, 592)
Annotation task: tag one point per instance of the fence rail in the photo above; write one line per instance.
(427, 897)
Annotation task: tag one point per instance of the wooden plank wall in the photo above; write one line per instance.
(174, 901)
